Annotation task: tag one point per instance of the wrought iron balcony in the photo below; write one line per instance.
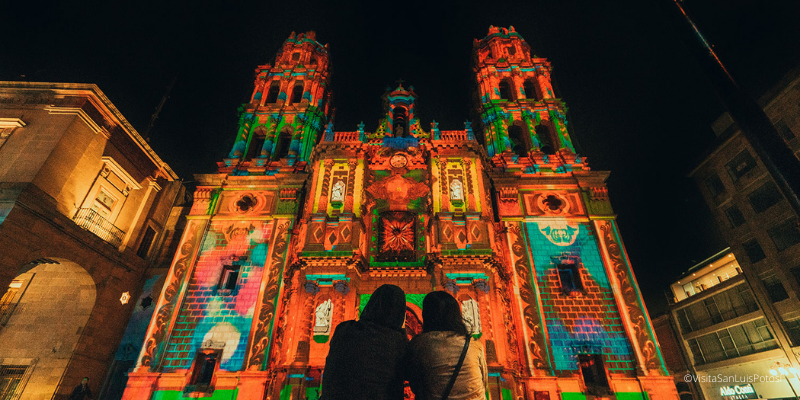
(93, 222)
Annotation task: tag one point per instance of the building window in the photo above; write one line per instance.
(274, 91)
(531, 89)
(735, 341)
(793, 328)
(147, 241)
(754, 251)
(7, 303)
(284, 143)
(724, 306)
(12, 380)
(296, 56)
(506, 90)
(103, 204)
(400, 119)
(297, 92)
(202, 375)
(229, 278)
(594, 374)
(519, 143)
(740, 165)
(764, 197)
(775, 288)
(784, 130)
(796, 273)
(570, 278)
(785, 235)
(714, 185)
(735, 216)
(545, 137)
(255, 146)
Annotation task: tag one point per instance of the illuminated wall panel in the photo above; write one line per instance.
(586, 322)
(211, 314)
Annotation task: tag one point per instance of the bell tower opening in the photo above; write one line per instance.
(546, 143)
(400, 122)
(284, 143)
(520, 142)
(297, 92)
(506, 90)
(274, 91)
(532, 90)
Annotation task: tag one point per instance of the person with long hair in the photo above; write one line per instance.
(366, 356)
(437, 369)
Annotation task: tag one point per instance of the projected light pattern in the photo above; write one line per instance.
(597, 327)
(215, 316)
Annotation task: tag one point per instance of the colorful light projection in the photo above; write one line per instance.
(215, 316)
(597, 328)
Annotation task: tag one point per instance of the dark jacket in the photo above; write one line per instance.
(81, 392)
(364, 362)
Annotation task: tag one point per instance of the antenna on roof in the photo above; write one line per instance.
(158, 109)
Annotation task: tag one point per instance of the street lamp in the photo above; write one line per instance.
(781, 369)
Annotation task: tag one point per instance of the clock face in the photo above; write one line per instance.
(398, 161)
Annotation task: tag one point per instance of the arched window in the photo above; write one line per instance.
(297, 92)
(284, 142)
(532, 89)
(546, 141)
(506, 90)
(520, 144)
(400, 122)
(256, 143)
(274, 91)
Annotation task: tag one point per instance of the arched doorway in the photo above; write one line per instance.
(44, 312)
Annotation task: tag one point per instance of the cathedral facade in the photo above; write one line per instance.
(301, 223)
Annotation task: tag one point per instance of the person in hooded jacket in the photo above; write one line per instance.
(366, 356)
(434, 354)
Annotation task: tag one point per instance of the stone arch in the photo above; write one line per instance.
(45, 317)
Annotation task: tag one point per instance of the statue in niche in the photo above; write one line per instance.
(337, 192)
(456, 190)
(322, 324)
(472, 317)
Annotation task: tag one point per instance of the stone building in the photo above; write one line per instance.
(84, 207)
(301, 223)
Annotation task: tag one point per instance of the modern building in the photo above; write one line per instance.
(84, 207)
(725, 338)
(301, 223)
(759, 225)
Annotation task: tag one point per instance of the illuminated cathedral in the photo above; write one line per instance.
(301, 223)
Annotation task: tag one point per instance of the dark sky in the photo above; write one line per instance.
(639, 105)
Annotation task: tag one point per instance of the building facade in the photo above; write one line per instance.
(301, 223)
(757, 221)
(725, 340)
(84, 206)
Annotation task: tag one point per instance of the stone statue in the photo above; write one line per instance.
(472, 316)
(456, 190)
(322, 325)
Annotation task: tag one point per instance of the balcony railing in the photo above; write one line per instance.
(93, 222)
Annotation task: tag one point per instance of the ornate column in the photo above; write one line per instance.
(629, 300)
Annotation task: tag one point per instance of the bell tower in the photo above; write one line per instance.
(518, 112)
(288, 110)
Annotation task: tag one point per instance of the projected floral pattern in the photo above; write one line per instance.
(397, 236)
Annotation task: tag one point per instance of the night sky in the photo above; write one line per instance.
(639, 105)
